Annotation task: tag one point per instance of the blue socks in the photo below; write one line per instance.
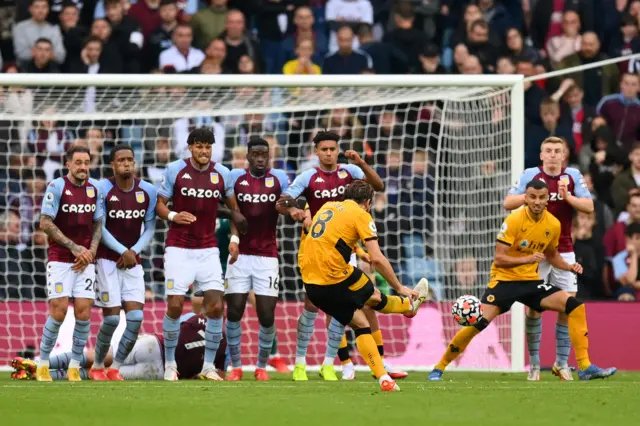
(266, 335)
(171, 333)
(305, 332)
(129, 337)
(533, 327)
(335, 333)
(61, 361)
(234, 338)
(213, 336)
(49, 337)
(80, 336)
(103, 340)
(563, 345)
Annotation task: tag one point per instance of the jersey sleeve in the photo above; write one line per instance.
(355, 171)
(580, 189)
(366, 227)
(97, 215)
(51, 200)
(526, 177)
(153, 200)
(557, 229)
(226, 176)
(619, 264)
(507, 234)
(300, 183)
(282, 178)
(235, 175)
(169, 178)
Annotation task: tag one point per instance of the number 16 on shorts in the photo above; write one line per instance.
(254, 272)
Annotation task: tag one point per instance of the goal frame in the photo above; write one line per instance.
(515, 84)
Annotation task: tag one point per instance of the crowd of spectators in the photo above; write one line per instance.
(596, 111)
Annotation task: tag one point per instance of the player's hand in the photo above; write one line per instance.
(366, 258)
(306, 225)
(83, 256)
(285, 202)
(298, 215)
(127, 260)
(184, 218)
(234, 251)
(407, 292)
(537, 257)
(631, 248)
(563, 189)
(576, 268)
(240, 221)
(354, 157)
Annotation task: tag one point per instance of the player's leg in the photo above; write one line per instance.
(84, 295)
(377, 336)
(567, 281)
(236, 295)
(144, 361)
(275, 360)
(560, 301)
(348, 369)
(108, 298)
(306, 325)
(533, 330)
(265, 277)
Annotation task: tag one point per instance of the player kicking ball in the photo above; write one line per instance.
(342, 290)
(527, 236)
(567, 191)
(257, 189)
(129, 204)
(71, 216)
(195, 187)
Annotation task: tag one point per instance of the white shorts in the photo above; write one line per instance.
(564, 280)
(262, 274)
(114, 286)
(145, 360)
(62, 281)
(200, 267)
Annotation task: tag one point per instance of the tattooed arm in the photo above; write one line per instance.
(54, 233)
(97, 235)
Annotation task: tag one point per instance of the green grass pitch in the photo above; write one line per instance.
(462, 399)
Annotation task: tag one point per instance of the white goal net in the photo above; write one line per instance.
(447, 147)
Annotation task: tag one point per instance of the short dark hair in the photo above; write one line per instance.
(112, 3)
(32, 2)
(68, 3)
(43, 40)
(92, 39)
(120, 147)
(632, 229)
(202, 135)
(76, 149)
(522, 60)
(537, 184)
(636, 145)
(479, 23)
(326, 135)
(168, 3)
(256, 141)
(359, 191)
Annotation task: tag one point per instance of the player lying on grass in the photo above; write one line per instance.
(527, 236)
(145, 361)
(342, 290)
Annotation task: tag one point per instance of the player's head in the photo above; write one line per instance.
(326, 148)
(552, 152)
(360, 192)
(122, 160)
(79, 162)
(200, 142)
(258, 156)
(536, 196)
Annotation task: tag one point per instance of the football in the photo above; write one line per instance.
(467, 310)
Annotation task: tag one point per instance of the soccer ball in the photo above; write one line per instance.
(467, 310)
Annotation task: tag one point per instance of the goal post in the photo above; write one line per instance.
(448, 148)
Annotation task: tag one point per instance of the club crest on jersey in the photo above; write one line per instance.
(565, 179)
(140, 197)
(268, 182)
(214, 178)
(524, 244)
(91, 192)
(491, 298)
(547, 233)
(342, 174)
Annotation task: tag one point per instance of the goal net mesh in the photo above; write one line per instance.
(444, 154)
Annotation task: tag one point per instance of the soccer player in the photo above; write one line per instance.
(342, 290)
(527, 236)
(128, 203)
(144, 362)
(195, 186)
(257, 189)
(71, 216)
(567, 191)
(321, 185)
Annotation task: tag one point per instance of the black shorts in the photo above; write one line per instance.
(340, 301)
(529, 293)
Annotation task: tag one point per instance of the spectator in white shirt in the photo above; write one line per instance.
(28, 31)
(347, 12)
(182, 56)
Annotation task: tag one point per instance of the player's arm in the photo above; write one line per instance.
(503, 260)
(286, 204)
(581, 199)
(370, 175)
(515, 197)
(234, 243)
(381, 264)
(128, 257)
(556, 260)
(164, 195)
(308, 219)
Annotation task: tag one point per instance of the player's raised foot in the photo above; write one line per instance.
(24, 364)
(300, 373)
(171, 373)
(435, 375)
(114, 375)
(235, 375)
(423, 290)
(98, 375)
(328, 373)
(210, 374)
(388, 385)
(43, 375)
(348, 371)
(564, 373)
(261, 374)
(279, 364)
(594, 372)
(73, 375)
(534, 373)
(22, 375)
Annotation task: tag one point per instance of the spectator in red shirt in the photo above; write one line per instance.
(146, 13)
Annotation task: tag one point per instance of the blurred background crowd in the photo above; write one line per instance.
(596, 111)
